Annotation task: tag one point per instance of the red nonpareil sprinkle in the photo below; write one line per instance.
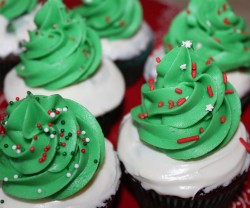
(208, 62)
(78, 132)
(217, 40)
(83, 150)
(145, 115)
(224, 78)
(57, 112)
(61, 134)
(188, 139)
(226, 21)
(158, 59)
(246, 48)
(38, 125)
(64, 144)
(18, 146)
(49, 111)
(17, 98)
(123, 23)
(32, 149)
(224, 7)
(223, 119)
(40, 160)
(47, 147)
(181, 101)
(210, 91)
(211, 58)
(178, 90)
(201, 130)
(171, 104)
(194, 66)
(229, 91)
(49, 124)
(141, 116)
(35, 137)
(44, 154)
(43, 159)
(83, 139)
(245, 144)
(169, 46)
(218, 12)
(193, 73)
(188, 11)
(151, 85)
(107, 19)
(160, 104)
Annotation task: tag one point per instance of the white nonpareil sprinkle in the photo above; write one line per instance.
(5, 179)
(187, 97)
(52, 136)
(76, 166)
(46, 129)
(18, 151)
(187, 43)
(52, 115)
(39, 190)
(22, 67)
(14, 147)
(65, 109)
(209, 107)
(16, 176)
(68, 175)
(59, 109)
(208, 23)
(83, 132)
(198, 46)
(87, 139)
(183, 66)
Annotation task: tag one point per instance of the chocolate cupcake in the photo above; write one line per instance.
(53, 154)
(64, 57)
(16, 18)
(218, 35)
(184, 146)
(126, 38)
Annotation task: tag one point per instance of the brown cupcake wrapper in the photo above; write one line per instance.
(220, 197)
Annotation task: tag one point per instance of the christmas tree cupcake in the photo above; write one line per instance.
(218, 35)
(16, 18)
(176, 147)
(64, 57)
(53, 154)
(126, 38)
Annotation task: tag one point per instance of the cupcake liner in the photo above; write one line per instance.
(132, 69)
(245, 100)
(108, 119)
(220, 197)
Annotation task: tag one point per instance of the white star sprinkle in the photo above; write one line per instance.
(209, 107)
(187, 44)
(183, 66)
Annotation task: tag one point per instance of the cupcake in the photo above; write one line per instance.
(218, 35)
(126, 38)
(53, 154)
(64, 57)
(16, 18)
(184, 146)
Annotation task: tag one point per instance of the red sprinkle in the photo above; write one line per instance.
(107, 19)
(78, 132)
(35, 137)
(217, 40)
(188, 139)
(145, 115)
(83, 150)
(210, 91)
(32, 149)
(50, 124)
(194, 68)
(41, 160)
(83, 139)
(246, 48)
(226, 21)
(123, 24)
(229, 91)
(47, 147)
(224, 78)
(141, 116)
(181, 101)
(49, 111)
(219, 12)
(201, 130)
(245, 144)
(18, 146)
(64, 144)
(171, 104)
(158, 59)
(223, 119)
(44, 155)
(57, 112)
(17, 98)
(160, 104)
(170, 47)
(208, 62)
(188, 11)
(38, 125)
(224, 7)
(61, 134)
(151, 83)
(178, 90)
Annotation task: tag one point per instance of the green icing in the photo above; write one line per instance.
(28, 169)
(213, 27)
(161, 122)
(61, 52)
(12, 9)
(113, 19)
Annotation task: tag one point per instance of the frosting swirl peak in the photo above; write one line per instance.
(217, 33)
(191, 110)
(61, 52)
(51, 147)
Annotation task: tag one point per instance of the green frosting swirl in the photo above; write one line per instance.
(216, 32)
(62, 52)
(52, 147)
(177, 107)
(112, 19)
(12, 9)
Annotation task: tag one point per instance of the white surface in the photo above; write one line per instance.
(103, 186)
(180, 178)
(100, 94)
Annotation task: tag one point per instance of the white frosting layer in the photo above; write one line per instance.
(125, 49)
(100, 94)
(102, 187)
(167, 176)
(240, 80)
(9, 42)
